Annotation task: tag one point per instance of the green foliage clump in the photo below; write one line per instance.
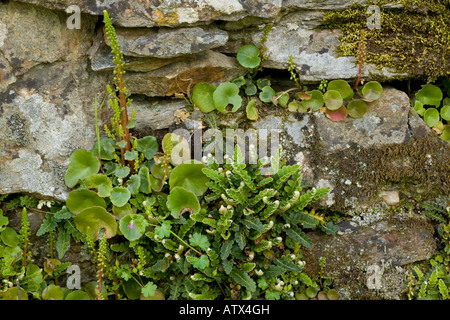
(433, 281)
(433, 104)
(421, 23)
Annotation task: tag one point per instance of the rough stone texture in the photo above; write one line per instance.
(40, 250)
(386, 122)
(102, 59)
(31, 35)
(168, 43)
(42, 123)
(150, 13)
(368, 255)
(313, 52)
(208, 66)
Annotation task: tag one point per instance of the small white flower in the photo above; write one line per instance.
(259, 272)
(167, 255)
(40, 204)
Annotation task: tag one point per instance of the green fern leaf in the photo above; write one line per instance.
(225, 250)
(243, 279)
(186, 227)
(443, 290)
(253, 223)
(287, 264)
(62, 242)
(227, 266)
(298, 235)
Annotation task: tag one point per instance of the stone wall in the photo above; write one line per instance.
(50, 74)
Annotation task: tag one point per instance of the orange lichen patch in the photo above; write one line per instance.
(164, 19)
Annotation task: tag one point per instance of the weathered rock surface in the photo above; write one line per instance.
(31, 35)
(208, 66)
(167, 42)
(367, 257)
(313, 51)
(42, 123)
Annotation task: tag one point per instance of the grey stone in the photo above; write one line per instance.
(102, 59)
(46, 114)
(386, 122)
(313, 52)
(149, 13)
(168, 42)
(180, 77)
(31, 35)
(368, 256)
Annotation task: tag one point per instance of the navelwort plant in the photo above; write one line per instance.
(337, 101)
(431, 105)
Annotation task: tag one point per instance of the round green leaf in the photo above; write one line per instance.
(332, 295)
(430, 95)
(133, 184)
(337, 115)
(131, 155)
(445, 112)
(13, 294)
(315, 102)
(77, 295)
(431, 117)
(225, 94)
(190, 177)
(263, 82)
(266, 94)
(357, 108)
(10, 237)
(283, 100)
(94, 219)
(144, 177)
(101, 182)
(372, 90)
(251, 89)
(202, 96)
(82, 164)
(156, 184)
(120, 212)
(295, 105)
(311, 292)
(148, 145)
(120, 196)
(53, 292)
(248, 56)
(252, 112)
(239, 81)
(446, 133)
(333, 99)
(133, 226)
(181, 200)
(107, 149)
(79, 200)
(121, 172)
(343, 87)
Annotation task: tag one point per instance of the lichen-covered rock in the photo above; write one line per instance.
(44, 116)
(312, 50)
(31, 35)
(367, 258)
(208, 66)
(150, 13)
(167, 42)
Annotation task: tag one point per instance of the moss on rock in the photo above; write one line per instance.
(413, 38)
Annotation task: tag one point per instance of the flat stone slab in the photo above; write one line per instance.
(367, 256)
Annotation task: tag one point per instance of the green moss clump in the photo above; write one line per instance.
(413, 39)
